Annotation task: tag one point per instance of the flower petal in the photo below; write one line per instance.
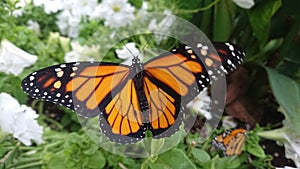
(13, 59)
(246, 4)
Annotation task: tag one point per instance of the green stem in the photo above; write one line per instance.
(31, 165)
(190, 149)
(53, 145)
(57, 124)
(26, 161)
(198, 9)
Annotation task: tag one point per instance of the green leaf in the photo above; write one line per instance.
(255, 150)
(290, 50)
(223, 20)
(156, 146)
(201, 155)
(223, 163)
(174, 158)
(136, 3)
(57, 161)
(91, 150)
(96, 160)
(287, 94)
(260, 18)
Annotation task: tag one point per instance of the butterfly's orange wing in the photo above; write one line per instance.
(231, 142)
(83, 87)
(122, 120)
(171, 80)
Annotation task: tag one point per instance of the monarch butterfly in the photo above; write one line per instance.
(132, 99)
(231, 142)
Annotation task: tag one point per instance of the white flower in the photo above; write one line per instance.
(82, 53)
(81, 7)
(201, 104)
(128, 52)
(68, 23)
(13, 59)
(50, 6)
(292, 147)
(162, 27)
(33, 26)
(246, 4)
(116, 13)
(20, 4)
(19, 120)
(86, 7)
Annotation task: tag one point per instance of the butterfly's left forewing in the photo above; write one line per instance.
(84, 87)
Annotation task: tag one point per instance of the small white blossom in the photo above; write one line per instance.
(33, 26)
(246, 4)
(87, 7)
(82, 53)
(50, 6)
(68, 23)
(13, 59)
(128, 52)
(19, 120)
(116, 13)
(201, 104)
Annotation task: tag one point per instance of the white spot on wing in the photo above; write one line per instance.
(57, 69)
(31, 78)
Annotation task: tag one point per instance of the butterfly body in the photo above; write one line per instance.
(132, 99)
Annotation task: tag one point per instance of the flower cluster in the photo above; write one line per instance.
(82, 53)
